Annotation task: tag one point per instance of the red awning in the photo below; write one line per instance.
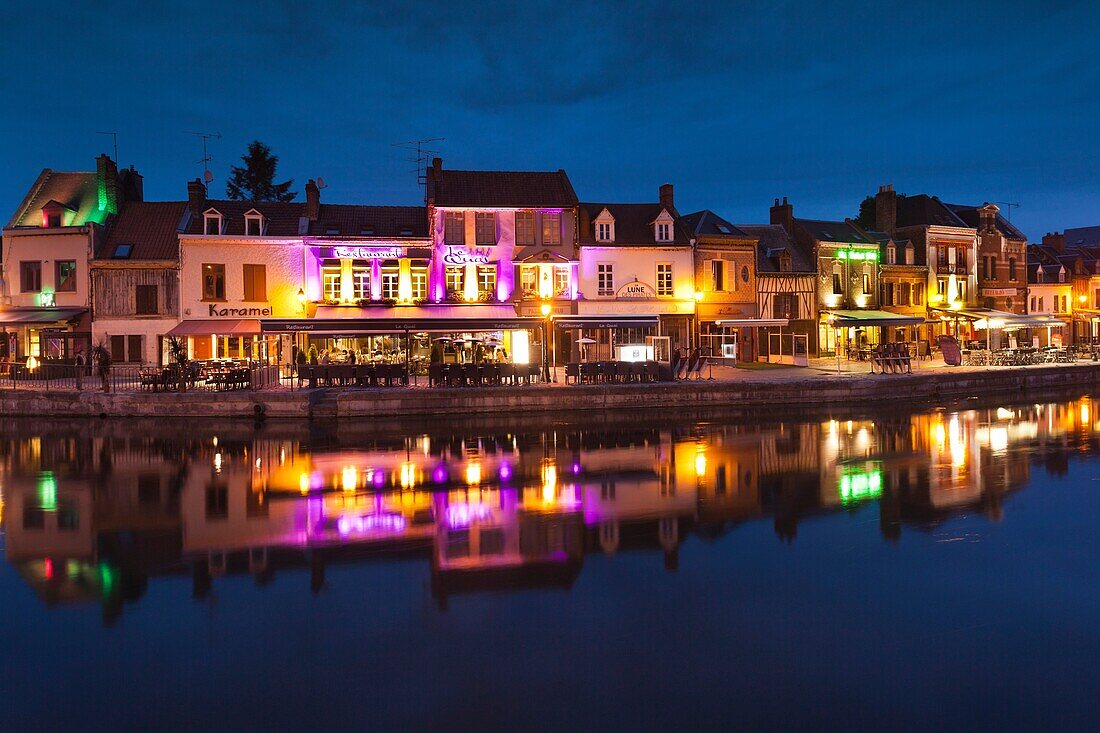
(208, 327)
(39, 315)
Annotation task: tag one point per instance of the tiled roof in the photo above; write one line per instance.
(833, 231)
(971, 216)
(508, 189)
(773, 240)
(349, 220)
(77, 191)
(282, 218)
(924, 210)
(706, 223)
(633, 224)
(151, 228)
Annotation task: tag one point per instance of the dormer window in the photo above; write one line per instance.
(891, 254)
(253, 224)
(603, 231)
(664, 231)
(211, 222)
(53, 214)
(784, 262)
(909, 254)
(1062, 275)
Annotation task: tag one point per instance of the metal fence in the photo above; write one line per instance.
(134, 378)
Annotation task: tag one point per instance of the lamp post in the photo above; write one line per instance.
(698, 299)
(545, 310)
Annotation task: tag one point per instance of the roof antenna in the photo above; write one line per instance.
(207, 175)
(423, 156)
(1008, 214)
(114, 138)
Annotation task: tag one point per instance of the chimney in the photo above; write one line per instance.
(886, 209)
(313, 200)
(107, 183)
(196, 196)
(132, 185)
(434, 182)
(1056, 241)
(664, 194)
(987, 216)
(783, 214)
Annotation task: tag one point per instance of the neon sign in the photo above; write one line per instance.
(860, 484)
(367, 253)
(463, 256)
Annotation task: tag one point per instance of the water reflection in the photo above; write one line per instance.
(92, 513)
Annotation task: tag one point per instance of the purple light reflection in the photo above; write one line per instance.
(462, 515)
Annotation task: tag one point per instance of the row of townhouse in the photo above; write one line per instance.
(87, 260)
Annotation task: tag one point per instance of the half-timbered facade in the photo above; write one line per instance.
(786, 287)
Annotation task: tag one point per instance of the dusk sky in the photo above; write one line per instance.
(734, 103)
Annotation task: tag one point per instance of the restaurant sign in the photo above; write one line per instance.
(216, 312)
(635, 290)
(464, 256)
(998, 292)
(367, 253)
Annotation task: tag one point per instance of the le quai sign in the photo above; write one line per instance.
(463, 256)
(216, 312)
(636, 290)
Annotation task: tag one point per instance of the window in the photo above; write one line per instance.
(1012, 268)
(664, 279)
(561, 281)
(785, 305)
(122, 251)
(213, 282)
(603, 231)
(1041, 304)
(133, 348)
(418, 279)
(941, 287)
(212, 223)
(125, 349)
(455, 279)
(1096, 298)
(909, 254)
(838, 284)
(903, 293)
(605, 279)
(866, 283)
(360, 284)
(960, 288)
(253, 225)
(784, 262)
(330, 280)
(454, 227)
(255, 283)
(487, 280)
(891, 254)
(30, 276)
(985, 268)
(717, 276)
(942, 255)
(525, 228)
(1062, 275)
(744, 273)
(918, 294)
(389, 283)
(65, 276)
(551, 228)
(146, 296)
(485, 225)
(118, 349)
(664, 231)
(528, 280)
(888, 294)
(53, 219)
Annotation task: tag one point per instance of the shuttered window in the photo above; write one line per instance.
(146, 300)
(255, 283)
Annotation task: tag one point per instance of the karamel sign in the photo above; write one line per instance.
(636, 290)
(216, 312)
(367, 253)
(464, 256)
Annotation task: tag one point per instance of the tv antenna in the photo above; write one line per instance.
(207, 175)
(114, 140)
(423, 155)
(1009, 207)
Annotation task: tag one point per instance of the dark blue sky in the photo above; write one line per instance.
(734, 103)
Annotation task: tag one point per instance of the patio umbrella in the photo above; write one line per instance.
(442, 338)
(584, 341)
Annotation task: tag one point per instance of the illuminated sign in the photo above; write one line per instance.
(216, 312)
(636, 289)
(852, 254)
(46, 298)
(368, 253)
(634, 352)
(463, 256)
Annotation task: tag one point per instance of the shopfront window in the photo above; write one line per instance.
(331, 281)
(360, 283)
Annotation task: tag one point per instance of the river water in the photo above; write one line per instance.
(857, 571)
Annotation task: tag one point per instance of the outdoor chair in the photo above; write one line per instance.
(652, 371)
(573, 371)
(533, 373)
(623, 371)
(507, 373)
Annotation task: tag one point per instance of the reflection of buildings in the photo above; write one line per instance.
(91, 516)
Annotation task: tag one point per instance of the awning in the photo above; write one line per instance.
(595, 320)
(209, 327)
(753, 322)
(987, 317)
(855, 318)
(31, 316)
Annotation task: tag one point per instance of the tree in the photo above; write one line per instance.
(255, 181)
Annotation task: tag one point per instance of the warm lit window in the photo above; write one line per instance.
(389, 283)
(891, 254)
(866, 283)
(909, 254)
(561, 281)
(605, 279)
(255, 283)
(838, 284)
(454, 227)
(960, 288)
(360, 284)
(528, 280)
(487, 280)
(213, 282)
(1041, 309)
(525, 228)
(30, 276)
(664, 279)
(717, 276)
(65, 276)
(418, 279)
(551, 228)
(455, 279)
(331, 281)
(485, 225)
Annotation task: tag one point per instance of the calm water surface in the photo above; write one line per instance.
(936, 570)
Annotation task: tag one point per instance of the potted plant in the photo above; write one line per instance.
(101, 361)
(177, 352)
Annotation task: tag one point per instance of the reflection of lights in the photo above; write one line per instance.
(370, 523)
(282, 456)
(858, 484)
(349, 478)
(303, 482)
(439, 473)
(379, 479)
(47, 568)
(408, 475)
(1003, 414)
(1084, 413)
(940, 434)
(215, 441)
(218, 462)
(462, 515)
(549, 482)
(47, 491)
(257, 463)
(701, 463)
(998, 439)
(863, 439)
(505, 471)
(473, 473)
(576, 468)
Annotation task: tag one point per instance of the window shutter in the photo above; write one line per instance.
(118, 348)
(134, 348)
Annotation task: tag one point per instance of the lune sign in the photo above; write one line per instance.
(636, 289)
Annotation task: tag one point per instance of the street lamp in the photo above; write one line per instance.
(698, 330)
(545, 310)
